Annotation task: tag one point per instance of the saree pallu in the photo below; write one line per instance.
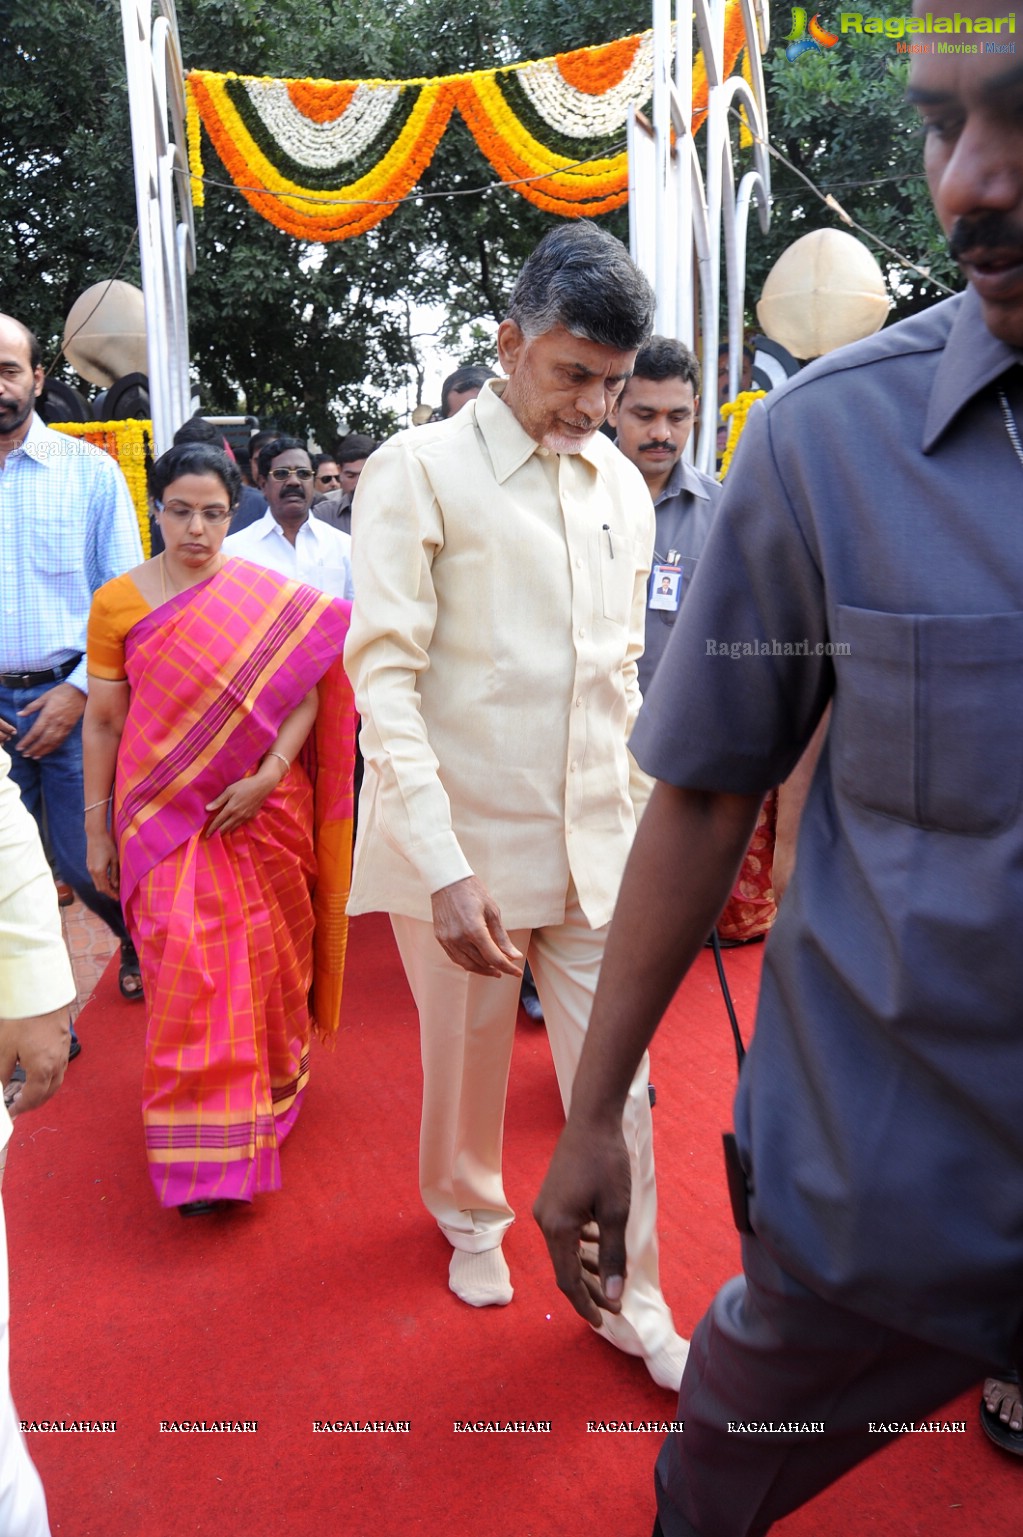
(751, 908)
(225, 926)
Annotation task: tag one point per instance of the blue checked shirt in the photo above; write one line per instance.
(67, 525)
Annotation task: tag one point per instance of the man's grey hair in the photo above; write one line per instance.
(583, 279)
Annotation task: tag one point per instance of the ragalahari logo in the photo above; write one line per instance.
(798, 41)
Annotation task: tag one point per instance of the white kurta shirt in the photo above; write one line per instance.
(320, 556)
(499, 613)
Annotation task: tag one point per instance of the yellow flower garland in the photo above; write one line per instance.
(735, 414)
(193, 132)
(128, 442)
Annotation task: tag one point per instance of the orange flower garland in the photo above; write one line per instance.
(326, 160)
(321, 100)
(595, 70)
(735, 41)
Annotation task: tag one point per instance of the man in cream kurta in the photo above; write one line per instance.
(36, 987)
(501, 560)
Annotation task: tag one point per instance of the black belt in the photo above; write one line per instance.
(46, 675)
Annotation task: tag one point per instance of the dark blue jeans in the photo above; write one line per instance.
(51, 789)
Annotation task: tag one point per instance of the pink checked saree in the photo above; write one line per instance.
(231, 929)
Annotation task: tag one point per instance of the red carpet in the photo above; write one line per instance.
(328, 1301)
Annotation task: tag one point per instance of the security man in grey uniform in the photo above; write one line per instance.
(868, 551)
(653, 419)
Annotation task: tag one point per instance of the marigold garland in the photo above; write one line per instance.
(735, 414)
(326, 160)
(131, 443)
(193, 134)
(595, 70)
(735, 41)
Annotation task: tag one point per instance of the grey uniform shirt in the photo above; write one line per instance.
(684, 512)
(877, 504)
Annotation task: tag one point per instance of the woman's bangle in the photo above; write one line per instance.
(273, 753)
(96, 804)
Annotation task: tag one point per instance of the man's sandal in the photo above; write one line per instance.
(129, 977)
(994, 1427)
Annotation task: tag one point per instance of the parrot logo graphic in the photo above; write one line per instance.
(798, 41)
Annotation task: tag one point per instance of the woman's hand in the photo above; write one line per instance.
(102, 862)
(237, 804)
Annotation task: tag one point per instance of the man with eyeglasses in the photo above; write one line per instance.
(67, 526)
(326, 475)
(335, 505)
(286, 538)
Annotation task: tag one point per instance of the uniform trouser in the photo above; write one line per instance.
(468, 1028)
(769, 1350)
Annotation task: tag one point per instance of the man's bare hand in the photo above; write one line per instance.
(6, 731)
(468, 926)
(585, 1197)
(41, 1045)
(57, 713)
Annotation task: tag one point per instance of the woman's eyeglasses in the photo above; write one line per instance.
(182, 514)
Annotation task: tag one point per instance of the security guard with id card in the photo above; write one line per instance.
(653, 419)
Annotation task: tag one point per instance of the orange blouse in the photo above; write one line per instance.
(116, 608)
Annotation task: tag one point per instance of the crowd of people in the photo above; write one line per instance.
(500, 590)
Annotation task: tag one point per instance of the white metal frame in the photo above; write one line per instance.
(156, 100)
(680, 208)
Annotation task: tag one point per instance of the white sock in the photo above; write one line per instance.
(667, 1364)
(482, 1280)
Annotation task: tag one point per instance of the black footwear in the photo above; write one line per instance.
(129, 977)
(198, 1208)
(995, 1428)
(75, 1049)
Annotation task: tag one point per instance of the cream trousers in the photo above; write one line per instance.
(467, 1026)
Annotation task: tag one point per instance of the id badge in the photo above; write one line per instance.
(666, 588)
(670, 581)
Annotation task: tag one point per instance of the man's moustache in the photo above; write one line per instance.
(987, 232)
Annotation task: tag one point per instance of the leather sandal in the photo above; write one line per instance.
(129, 977)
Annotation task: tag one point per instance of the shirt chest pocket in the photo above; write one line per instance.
(56, 543)
(927, 717)
(617, 573)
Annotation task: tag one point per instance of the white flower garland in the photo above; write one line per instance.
(321, 146)
(576, 113)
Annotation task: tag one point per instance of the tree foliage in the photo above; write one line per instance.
(315, 334)
(841, 119)
(309, 334)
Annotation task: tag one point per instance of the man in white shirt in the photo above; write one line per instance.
(501, 565)
(286, 538)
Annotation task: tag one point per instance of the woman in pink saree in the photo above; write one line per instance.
(218, 747)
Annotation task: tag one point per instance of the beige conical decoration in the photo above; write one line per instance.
(824, 291)
(105, 333)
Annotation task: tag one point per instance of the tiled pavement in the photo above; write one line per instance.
(90, 945)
